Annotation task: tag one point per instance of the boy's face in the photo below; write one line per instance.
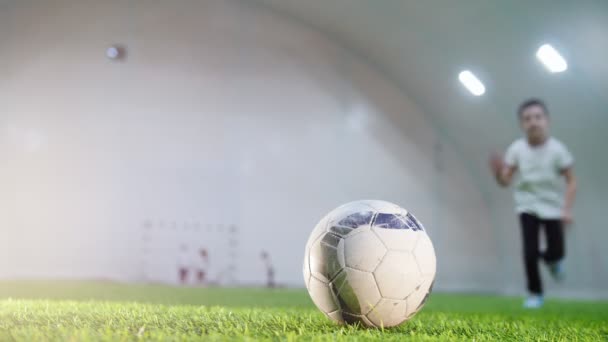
(534, 121)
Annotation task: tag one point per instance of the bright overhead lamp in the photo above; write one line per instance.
(472, 83)
(551, 58)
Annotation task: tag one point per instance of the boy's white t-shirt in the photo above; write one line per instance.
(539, 185)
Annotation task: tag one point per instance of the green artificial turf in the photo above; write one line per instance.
(81, 311)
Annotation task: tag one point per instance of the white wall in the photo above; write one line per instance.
(222, 113)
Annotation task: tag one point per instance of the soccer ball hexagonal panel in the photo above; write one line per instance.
(425, 255)
(322, 296)
(417, 299)
(398, 239)
(397, 275)
(356, 291)
(326, 257)
(388, 313)
(363, 251)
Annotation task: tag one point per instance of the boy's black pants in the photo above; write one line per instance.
(530, 226)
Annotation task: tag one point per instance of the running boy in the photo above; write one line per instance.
(540, 199)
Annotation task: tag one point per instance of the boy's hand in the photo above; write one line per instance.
(502, 172)
(496, 163)
(567, 218)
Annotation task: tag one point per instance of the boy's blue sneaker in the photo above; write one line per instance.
(557, 270)
(534, 302)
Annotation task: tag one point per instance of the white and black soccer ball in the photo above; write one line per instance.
(369, 262)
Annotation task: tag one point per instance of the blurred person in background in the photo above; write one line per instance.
(183, 264)
(270, 283)
(541, 163)
(202, 267)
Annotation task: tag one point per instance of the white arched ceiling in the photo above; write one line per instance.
(423, 45)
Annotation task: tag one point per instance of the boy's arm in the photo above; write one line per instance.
(503, 172)
(505, 175)
(570, 194)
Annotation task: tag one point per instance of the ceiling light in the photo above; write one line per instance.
(551, 58)
(472, 83)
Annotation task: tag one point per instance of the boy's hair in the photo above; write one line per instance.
(529, 103)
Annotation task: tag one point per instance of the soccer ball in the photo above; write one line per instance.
(369, 262)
